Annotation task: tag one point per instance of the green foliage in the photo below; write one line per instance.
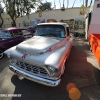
(90, 5)
(1, 19)
(1, 9)
(44, 6)
(82, 35)
(82, 5)
(16, 8)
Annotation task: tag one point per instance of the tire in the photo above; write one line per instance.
(1, 53)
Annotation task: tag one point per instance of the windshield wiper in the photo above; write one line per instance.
(42, 34)
(50, 34)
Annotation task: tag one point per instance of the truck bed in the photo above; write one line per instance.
(94, 41)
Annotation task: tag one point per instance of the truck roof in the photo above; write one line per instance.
(55, 23)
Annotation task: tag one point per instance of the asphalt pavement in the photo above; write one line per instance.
(81, 69)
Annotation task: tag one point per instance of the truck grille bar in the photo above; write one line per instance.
(32, 68)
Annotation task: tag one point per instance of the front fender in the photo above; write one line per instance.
(57, 58)
(9, 51)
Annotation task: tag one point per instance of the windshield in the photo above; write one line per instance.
(4, 34)
(50, 30)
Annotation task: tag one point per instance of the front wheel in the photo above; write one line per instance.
(1, 54)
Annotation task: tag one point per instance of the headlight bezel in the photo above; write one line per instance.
(53, 71)
(13, 61)
(51, 68)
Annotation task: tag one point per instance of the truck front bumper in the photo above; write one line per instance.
(35, 78)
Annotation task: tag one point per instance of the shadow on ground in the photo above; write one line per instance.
(3, 63)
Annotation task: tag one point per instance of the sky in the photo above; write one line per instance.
(78, 3)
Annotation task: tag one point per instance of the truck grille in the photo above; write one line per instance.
(32, 68)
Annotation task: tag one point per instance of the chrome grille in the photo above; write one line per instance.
(32, 68)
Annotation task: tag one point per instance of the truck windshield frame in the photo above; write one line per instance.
(50, 30)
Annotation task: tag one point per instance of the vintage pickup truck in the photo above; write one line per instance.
(93, 30)
(42, 57)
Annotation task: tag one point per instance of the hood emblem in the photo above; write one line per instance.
(49, 50)
(24, 55)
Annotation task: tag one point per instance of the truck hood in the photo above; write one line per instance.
(38, 45)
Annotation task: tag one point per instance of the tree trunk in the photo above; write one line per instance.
(73, 3)
(13, 23)
(91, 3)
(2, 21)
(86, 3)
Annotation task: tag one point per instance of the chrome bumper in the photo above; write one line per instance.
(35, 78)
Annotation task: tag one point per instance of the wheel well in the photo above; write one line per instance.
(2, 49)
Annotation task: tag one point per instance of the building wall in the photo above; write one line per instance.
(69, 13)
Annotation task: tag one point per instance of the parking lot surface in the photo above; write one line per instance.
(81, 69)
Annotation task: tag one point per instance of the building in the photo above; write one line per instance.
(68, 15)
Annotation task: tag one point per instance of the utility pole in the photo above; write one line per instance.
(63, 3)
(67, 3)
(83, 2)
(54, 5)
(90, 2)
(60, 3)
(86, 3)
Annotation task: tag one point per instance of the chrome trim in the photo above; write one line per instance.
(31, 68)
(35, 78)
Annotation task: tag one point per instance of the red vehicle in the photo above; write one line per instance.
(93, 30)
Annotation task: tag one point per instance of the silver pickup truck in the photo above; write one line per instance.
(42, 57)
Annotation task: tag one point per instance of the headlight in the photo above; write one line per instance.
(51, 68)
(8, 55)
(13, 60)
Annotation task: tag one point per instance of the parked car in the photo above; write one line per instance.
(42, 58)
(11, 37)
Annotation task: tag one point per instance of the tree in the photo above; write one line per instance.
(16, 8)
(1, 11)
(91, 2)
(44, 6)
(73, 3)
(82, 6)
